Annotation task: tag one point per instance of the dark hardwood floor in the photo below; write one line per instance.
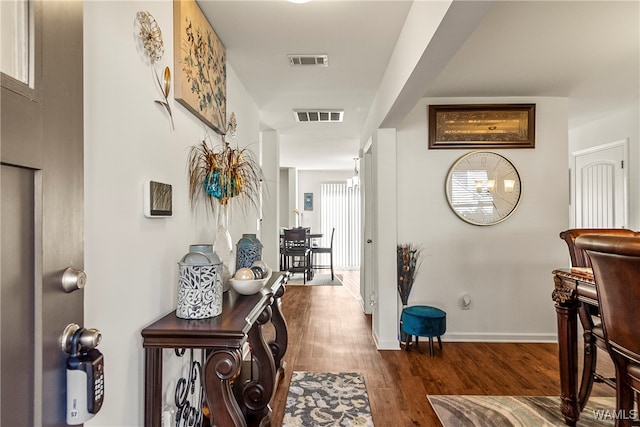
(329, 333)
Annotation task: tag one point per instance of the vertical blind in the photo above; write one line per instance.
(340, 208)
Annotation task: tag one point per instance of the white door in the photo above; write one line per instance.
(600, 186)
(42, 212)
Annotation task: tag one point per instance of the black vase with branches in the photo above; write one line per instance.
(408, 261)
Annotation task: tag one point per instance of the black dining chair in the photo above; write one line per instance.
(296, 252)
(318, 251)
(616, 271)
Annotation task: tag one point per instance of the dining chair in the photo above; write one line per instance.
(296, 252)
(616, 270)
(589, 315)
(317, 251)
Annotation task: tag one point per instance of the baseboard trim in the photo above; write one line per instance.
(499, 337)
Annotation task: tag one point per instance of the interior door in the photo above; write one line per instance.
(600, 186)
(42, 208)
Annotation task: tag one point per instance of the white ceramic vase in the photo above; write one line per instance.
(223, 246)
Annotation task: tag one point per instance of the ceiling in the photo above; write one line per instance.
(587, 51)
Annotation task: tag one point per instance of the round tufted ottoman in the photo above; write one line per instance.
(424, 321)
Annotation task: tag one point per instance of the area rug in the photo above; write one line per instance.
(318, 280)
(326, 399)
(517, 411)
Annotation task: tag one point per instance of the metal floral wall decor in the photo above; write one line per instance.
(150, 38)
(200, 58)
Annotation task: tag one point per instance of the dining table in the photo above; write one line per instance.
(572, 287)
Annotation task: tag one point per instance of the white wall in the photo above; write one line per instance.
(506, 268)
(623, 124)
(131, 261)
(309, 182)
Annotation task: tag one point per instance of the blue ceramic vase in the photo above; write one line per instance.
(249, 250)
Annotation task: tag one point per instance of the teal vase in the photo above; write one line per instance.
(248, 251)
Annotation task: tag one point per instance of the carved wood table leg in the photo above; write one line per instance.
(257, 392)
(279, 344)
(220, 369)
(153, 387)
(590, 356)
(566, 311)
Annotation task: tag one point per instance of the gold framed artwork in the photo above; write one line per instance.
(200, 65)
(482, 126)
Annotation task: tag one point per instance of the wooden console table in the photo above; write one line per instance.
(232, 400)
(571, 289)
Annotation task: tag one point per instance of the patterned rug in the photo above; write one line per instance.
(326, 399)
(318, 280)
(517, 411)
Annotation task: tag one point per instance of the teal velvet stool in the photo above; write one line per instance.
(424, 321)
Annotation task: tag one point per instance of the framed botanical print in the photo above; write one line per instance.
(200, 65)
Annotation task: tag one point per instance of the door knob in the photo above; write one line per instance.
(73, 279)
(75, 338)
(369, 240)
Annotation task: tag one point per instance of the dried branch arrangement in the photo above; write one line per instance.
(408, 262)
(218, 175)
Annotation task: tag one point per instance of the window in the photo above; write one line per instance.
(340, 208)
(17, 43)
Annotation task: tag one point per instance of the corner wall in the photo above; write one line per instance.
(506, 268)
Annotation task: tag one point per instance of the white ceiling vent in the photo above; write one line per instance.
(300, 60)
(321, 116)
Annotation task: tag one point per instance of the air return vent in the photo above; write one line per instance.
(322, 116)
(317, 60)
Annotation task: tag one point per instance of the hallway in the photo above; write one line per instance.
(329, 333)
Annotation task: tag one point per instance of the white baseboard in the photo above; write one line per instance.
(499, 337)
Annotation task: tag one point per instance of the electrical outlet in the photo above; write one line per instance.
(465, 302)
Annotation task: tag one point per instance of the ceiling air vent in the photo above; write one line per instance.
(321, 116)
(317, 60)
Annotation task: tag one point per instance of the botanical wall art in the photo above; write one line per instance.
(152, 46)
(486, 126)
(200, 60)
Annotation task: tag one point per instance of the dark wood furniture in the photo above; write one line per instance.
(588, 314)
(319, 250)
(232, 400)
(297, 252)
(311, 236)
(616, 270)
(572, 288)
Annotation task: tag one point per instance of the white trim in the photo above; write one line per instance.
(500, 337)
(624, 143)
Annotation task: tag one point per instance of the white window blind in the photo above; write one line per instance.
(340, 208)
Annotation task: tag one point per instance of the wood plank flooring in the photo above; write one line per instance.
(329, 333)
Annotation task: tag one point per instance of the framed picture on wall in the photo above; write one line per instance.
(482, 126)
(200, 64)
(308, 201)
